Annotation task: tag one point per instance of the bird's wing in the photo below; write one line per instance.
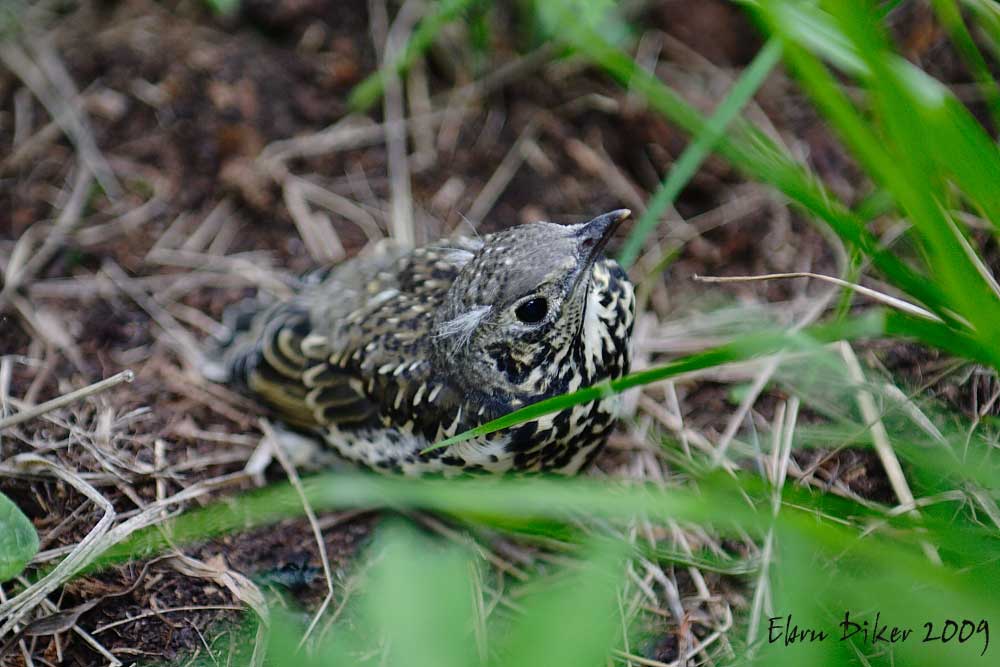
(352, 350)
(279, 353)
(286, 366)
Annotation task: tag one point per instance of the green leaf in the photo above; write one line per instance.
(18, 539)
(597, 15)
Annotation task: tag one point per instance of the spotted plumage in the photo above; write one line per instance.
(393, 351)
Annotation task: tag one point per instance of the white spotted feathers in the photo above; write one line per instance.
(388, 353)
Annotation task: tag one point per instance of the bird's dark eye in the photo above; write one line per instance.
(532, 311)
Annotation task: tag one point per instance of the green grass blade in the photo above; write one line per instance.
(817, 584)
(962, 344)
(751, 151)
(718, 499)
(223, 7)
(479, 497)
(949, 14)
(911, 172)
(421, 607)
(816, 32)
(700, 147)
(369, 91)
(584, 600)
(898, 159)
(987, 19)
(744, 348)
(965, 152)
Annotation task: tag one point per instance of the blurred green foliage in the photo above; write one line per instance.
(18, 539)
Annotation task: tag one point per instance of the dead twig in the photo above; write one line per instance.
(881, 297)
(17, 274)
(502, 176)
(391, 40)
(179, 337)
(880, 438)
(15, 609)
(315, 228)
(48, 80)
(170, 610)
(66, 399)
(293, 477)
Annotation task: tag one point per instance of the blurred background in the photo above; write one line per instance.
(160, 161)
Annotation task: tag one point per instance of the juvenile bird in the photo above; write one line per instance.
(387, 353)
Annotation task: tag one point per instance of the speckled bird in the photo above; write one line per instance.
(394, 350)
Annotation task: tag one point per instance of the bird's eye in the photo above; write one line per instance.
(532, 311)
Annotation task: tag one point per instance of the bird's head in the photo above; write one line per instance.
(518, 304)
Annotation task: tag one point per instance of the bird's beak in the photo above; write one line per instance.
(592, 237)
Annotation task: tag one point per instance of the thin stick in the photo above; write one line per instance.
(771, 366)
(760, 595)
(401, 222)
(467, 540)
(502, 176)
(599, 164)
(68, 219)
(170, 610)
(342, 206)
(348, 134)
(899, 304)
(66, 399)
(315, 228)
(418, 97)
(293, 477)
(177, 336)
(17, 608)
(880, 438)
(50, 83)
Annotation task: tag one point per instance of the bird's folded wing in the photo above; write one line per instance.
(288, 368)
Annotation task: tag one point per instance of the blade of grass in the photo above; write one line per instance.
(700, 147)
(966, 152)
(481, 497)
(987, 18)
(905, 172)
(912, 173)
(719, 499)
(950, 15)
(959, 343)
(746, 347)
(369, 91)
(223, 7)
(751, 151)
(815, 31)
(581, 600)
(398, 604)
